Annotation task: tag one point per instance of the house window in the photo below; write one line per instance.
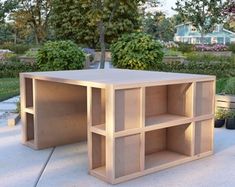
(193, 29)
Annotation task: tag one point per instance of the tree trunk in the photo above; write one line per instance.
(102, 44)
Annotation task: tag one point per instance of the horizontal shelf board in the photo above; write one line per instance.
(166, 119)
(162, 157)
(99, 129)
(29, 110)
(100, 171)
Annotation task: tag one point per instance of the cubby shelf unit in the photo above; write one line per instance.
(154, 127)
(135, 122)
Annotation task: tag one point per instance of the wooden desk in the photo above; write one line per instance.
(135, 122)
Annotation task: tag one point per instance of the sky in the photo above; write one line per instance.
(166, 7)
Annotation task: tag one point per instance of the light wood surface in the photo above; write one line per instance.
(135, 122)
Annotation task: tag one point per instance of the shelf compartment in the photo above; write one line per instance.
(29, 110)
(203, 136)
(127, 109)
(164, 118)
(30, 127)
(98, 154)
(28, 92)
(98, 108)
(167, 145)
(204, 98)
(127, 155)
(168, 102)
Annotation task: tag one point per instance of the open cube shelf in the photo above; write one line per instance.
(98, 108)
(135, 122)
(98, 155)
(168, 103)
(167, 145)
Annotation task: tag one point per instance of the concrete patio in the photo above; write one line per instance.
(67, 165)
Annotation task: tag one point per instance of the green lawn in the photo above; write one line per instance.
(9, 87)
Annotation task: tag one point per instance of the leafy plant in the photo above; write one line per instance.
(136, 51)
(16, 48)
(232, 47)
(185, 48)
(11, 57)
(60, 55)
(230, 86)
(32, 53)
(221, 113)
(231, 113)
(12, 69)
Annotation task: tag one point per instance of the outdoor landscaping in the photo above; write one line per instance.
(166, 121)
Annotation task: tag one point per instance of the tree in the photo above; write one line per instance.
(203, 14)
(32, 16)
(229, 12)
(93, 22)
(159, 26)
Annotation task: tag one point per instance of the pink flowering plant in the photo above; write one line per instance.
(216, 47)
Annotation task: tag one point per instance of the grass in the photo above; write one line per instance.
(9, 87)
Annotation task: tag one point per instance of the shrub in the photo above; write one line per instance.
(32, 53)
(16, 48)
(60, 55)
(230, 86)
(232, 47)
(11, 57)
(185, 48)
(12, 69)
(200, 57)
(220, 70)
(221, 113)
(136, 51)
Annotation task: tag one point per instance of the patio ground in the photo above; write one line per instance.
(66, 166)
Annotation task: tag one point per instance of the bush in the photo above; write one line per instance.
(60, 55)
(200, 57)
(136, 51)
(32, 53)
(12, 69)
(185, 48)
(16, 48)
(221, 113)
(11, 57)
(232, 47)
(230, 86)
(220, 70)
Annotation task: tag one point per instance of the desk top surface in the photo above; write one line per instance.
(116, 76)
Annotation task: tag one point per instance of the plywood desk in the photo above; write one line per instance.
(135, 122)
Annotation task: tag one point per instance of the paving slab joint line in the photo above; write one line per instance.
(44, 167)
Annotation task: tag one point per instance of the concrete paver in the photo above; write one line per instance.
(20, 166)
(68, 167)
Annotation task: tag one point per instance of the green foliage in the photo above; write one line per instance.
(232, 47)
(220, 69)
(16, 48)
(230, 86)
(169, 52)
(60, 55)
(11, 57)
(221, 113)
(185, 48)
(204, 57)
(231, 113)
(32, 53)
(77, 21)
(136, 51)
(220, 85)
(9, 87)
(12, 69)
(159, 26)
(204, 14)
